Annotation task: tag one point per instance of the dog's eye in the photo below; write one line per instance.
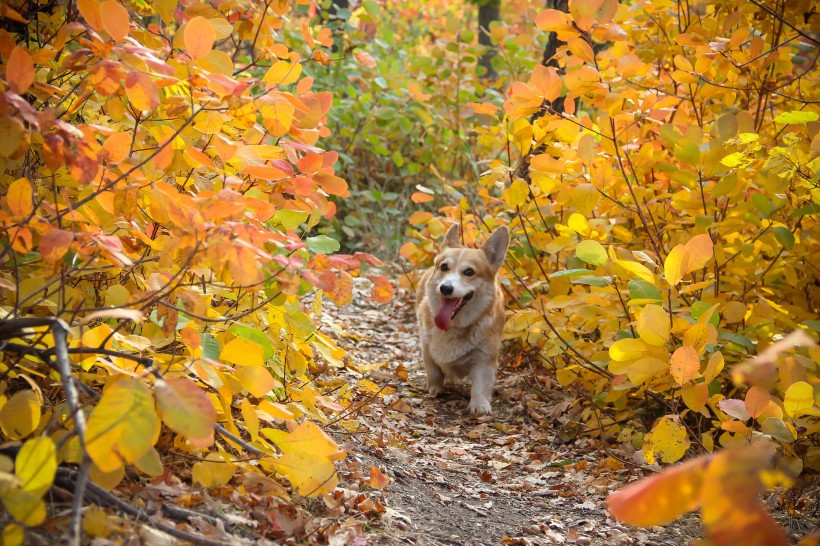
(469, 272)
(444, 267)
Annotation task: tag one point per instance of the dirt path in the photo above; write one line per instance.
(516, 477)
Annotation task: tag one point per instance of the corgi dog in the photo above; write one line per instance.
(460, 312)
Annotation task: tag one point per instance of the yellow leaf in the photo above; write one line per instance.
(684, 365)
(517, 194)
(695, 395)
(276, 411)
(283, 73)
(243, 352)
(579, 224)
(627, 349)
(96, 336)
(22, 505)
(13, 535)
(676, 264)
(186, 409)
(713, 366)
(124, 424)
(20, 416)
(250, 418)
(307, 458)
(257, 380)
(150, 463)
(96, 522)
(637, 269)
(645, 368)
(277, 114)
(36, 465)
(653, 325)
(213, 472)
(106, 480)
(699, 336)
(19, 198)
(799, 397)
(666, 442)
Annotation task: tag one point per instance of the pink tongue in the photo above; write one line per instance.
(445, 314)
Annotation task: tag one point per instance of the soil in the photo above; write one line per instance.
(515, 477)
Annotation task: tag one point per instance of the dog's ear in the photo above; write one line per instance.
(452, 239)
(495, 247)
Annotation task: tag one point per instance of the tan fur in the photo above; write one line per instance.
(469, 347)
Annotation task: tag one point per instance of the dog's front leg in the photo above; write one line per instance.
(435, 377)
(482, 377)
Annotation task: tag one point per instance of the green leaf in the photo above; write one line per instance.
(777, 429)
(784, 236)
(762, 204)
(700, 307)
(570, 273)
(639, 289)
(796, 117)
(255, 335)
(210, 347)
(811, 208)
(594, 281)
(592, 252)
(322, 244)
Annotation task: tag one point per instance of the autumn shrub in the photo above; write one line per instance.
(163, 172)
(665, 228)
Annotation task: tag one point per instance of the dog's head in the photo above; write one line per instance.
(464, 278)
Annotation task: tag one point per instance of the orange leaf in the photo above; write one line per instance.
(199, 37)
(382, 289)
(115, 19)
(421, 197)
(685, 365)
(365, 59)
(552, 20)
(54, 245)
(700, 250)
(19, 198)
(332, 184)
(118, 146)
(90, 10)
(19, 70)
(757, 400)
(660, 499)
(419, 217)
(377, 479)
(581, 48)
(142, 91)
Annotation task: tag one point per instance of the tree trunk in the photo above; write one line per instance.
(488, 12)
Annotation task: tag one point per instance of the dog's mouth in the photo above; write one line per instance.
(449, 308)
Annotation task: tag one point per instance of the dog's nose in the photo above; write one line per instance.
(446, 289)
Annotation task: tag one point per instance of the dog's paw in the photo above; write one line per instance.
(480, 407)
(434, 390)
